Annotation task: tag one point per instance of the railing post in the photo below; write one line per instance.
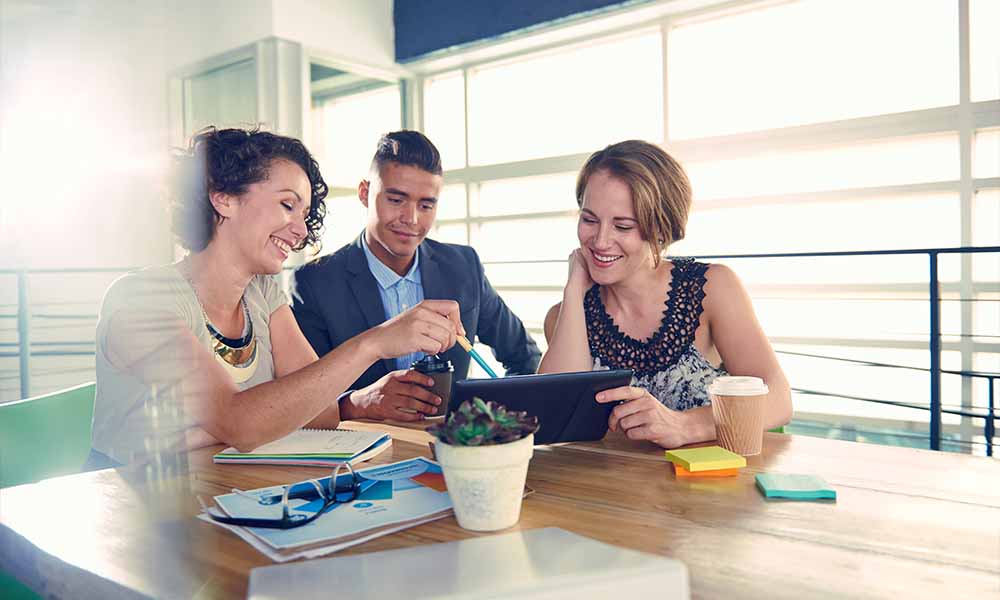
(935, 349)
(990, 429)
(24, 333)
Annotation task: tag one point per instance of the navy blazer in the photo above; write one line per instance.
(335, 297)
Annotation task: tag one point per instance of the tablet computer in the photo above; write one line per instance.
(563, 402)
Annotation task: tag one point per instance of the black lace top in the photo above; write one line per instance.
(667, 364)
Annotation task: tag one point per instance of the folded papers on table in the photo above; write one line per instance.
(394, 496)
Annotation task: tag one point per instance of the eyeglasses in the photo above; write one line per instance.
(338, 488)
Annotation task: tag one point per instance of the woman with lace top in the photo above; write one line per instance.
(206, 350)
(678, 324)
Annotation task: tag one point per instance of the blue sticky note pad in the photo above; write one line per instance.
(795, 487)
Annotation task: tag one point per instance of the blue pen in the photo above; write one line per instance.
(472, 352)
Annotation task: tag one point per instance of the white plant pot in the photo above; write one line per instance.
(486, 483)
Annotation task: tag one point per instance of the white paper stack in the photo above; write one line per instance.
(541, 563)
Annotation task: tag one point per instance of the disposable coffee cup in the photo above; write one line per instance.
(738, 410)
(440, 370)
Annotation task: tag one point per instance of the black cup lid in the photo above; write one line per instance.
(432, 364)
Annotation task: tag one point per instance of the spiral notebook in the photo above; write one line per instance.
(313, 448)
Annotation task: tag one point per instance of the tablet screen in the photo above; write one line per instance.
(563, 402)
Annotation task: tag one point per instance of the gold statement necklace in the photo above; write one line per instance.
(238, 356)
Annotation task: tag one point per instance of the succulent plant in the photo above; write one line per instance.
(478, 423)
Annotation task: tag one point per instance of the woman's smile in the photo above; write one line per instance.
(604, 260)
(284, 247)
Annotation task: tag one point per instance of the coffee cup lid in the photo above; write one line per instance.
(737, 386)
(432, 364)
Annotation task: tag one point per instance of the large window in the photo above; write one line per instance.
(817, 167)
(811, 61)
(984, 49)
(806, 126)
(347, 121)
(581, 98)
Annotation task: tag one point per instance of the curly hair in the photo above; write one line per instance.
(229, 161)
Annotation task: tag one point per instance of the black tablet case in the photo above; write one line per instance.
(563, 402)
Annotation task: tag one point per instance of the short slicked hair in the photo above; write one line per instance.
(407, 148)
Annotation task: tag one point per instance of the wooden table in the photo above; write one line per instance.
(907, 523)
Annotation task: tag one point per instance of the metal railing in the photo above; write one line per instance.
(934, 336)
(25, 314)
(989, 416)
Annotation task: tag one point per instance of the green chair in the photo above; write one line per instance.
(43, 437)
(12, 589)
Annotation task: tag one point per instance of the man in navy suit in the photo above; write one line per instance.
(389, 270)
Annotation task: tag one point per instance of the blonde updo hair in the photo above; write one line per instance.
(661, 191)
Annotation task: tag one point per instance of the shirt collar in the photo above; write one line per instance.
(385, 276)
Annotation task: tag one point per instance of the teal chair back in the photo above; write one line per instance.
(45, 436)
(12, 589)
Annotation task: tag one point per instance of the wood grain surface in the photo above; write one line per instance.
(906, 523)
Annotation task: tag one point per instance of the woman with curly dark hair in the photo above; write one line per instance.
(206, 350)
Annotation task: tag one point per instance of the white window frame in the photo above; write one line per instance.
(965, 118)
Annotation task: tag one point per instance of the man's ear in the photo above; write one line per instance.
(223, 203)
(363, 192)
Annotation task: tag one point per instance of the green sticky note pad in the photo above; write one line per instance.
(795, 487)
(709, 458)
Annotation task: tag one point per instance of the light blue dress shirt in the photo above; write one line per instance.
(398, 293)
